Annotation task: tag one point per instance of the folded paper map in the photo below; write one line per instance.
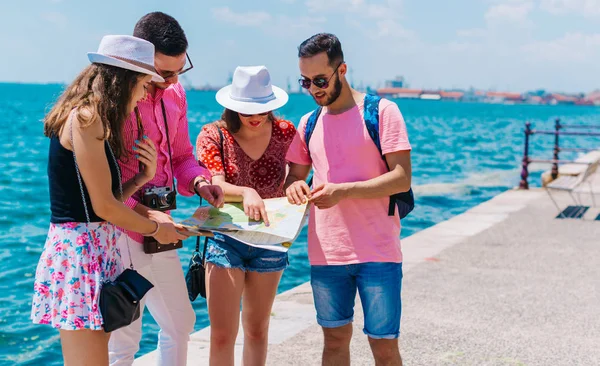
(285, 223)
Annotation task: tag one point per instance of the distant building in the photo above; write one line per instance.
(473, 96)
(534, 99)
(398, 82)
(594, 97)
(556, 98)
(452, 95)
(400, 93)
(503, 97)
(430, 95)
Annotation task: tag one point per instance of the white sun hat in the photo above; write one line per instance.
(126, 52)
(251, 92)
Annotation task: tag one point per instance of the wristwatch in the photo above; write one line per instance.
(201, 180)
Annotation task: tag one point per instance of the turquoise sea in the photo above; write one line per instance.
(463, 154)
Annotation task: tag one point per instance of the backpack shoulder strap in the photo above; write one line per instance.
(310, 125)
(371, 117)
(308, 131)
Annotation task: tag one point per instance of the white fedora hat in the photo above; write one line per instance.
(127, 52)
(251, 91)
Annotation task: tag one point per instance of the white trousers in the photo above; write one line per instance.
(167, 302)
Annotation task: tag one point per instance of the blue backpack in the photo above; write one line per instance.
(405, 201)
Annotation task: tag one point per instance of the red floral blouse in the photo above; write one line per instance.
(266, 175)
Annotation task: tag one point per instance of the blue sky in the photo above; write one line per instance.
(513, 45)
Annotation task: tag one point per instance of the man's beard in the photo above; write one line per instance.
(335, 94)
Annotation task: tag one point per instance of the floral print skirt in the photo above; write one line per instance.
(76, 259)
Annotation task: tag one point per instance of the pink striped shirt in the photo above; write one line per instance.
(185, 165)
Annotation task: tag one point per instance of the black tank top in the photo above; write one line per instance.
(66, 204)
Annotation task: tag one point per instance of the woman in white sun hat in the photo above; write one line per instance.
(85, 131)
(245, 153)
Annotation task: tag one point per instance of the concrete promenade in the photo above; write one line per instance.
(505, 283)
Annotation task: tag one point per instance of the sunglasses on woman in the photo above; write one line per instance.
(256, 114)
(321, 83)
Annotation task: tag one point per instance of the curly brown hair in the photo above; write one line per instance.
(232, 120)
(99, 92)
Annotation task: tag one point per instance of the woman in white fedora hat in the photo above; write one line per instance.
(245, 153)
(85, 131)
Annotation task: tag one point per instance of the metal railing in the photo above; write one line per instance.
(557, 149)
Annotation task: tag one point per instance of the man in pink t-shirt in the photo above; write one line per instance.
(353, 244)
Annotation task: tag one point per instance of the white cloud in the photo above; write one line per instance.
(378, 19)
(572, 48)
(514, 12)
(288, 27)
(320, 6)
(56, 18)
(277, 25)
(474, 32)
(389, 28)
(377, 11)
(381, 9)
(587, 8)
(248, 19)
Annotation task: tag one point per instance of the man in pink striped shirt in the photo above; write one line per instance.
(168, 301)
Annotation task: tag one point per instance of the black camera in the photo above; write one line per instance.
(160, 198)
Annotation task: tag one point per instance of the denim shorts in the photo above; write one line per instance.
(379, 286)
(229, 253)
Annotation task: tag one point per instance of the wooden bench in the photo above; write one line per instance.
(572, 183)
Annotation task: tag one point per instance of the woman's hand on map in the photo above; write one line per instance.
(254, 207)
(298, 192)
(169, 231)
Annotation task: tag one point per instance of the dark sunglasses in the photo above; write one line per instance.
(320, 83)
(256, 114)
(169, 74)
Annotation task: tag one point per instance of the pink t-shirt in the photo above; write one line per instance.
(355, 230)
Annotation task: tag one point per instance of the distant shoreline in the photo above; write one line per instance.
(490, 97)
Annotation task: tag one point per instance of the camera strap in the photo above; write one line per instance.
(140, 126)
(162, 104)
(140, 136)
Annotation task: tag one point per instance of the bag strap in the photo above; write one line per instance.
(221, 138)
(371, 118)
(198, 242)
(221, 150)
(308, 131)
(164, 111)
(140, 136)
(87, 214)
(198, 246)
(138, 117)
(310, 126)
